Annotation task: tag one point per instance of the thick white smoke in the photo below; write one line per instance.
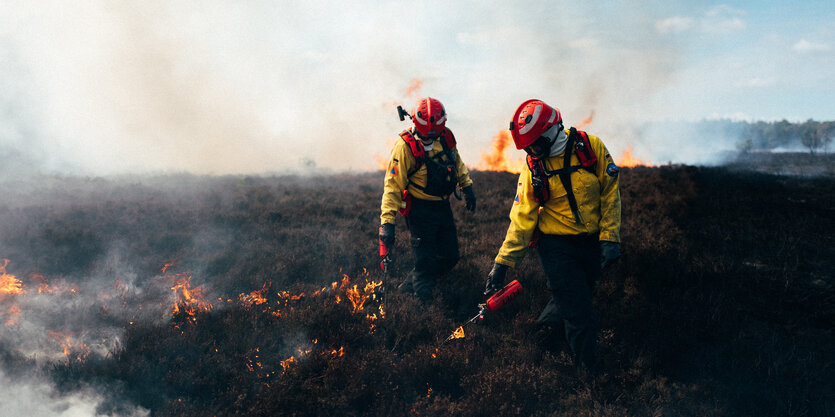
(34, 397)
(105, 87)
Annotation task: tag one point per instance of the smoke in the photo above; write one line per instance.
(259, 87)
(28, 395)
(68, 319)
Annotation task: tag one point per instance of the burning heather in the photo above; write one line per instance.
(9, 284)
(269, 309)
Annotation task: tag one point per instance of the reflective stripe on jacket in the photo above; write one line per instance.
(598, 203)
(401, 164)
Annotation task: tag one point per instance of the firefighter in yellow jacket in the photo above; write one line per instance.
(424, 170)
(568, 204)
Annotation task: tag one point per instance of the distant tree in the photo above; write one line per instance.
(812, 135)
(827, 132)
(745, 145)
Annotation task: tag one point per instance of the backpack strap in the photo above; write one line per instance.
(584, 151)
(565, 175)
(579, 142)
(447, 139)
(417, 149)
(419, 153)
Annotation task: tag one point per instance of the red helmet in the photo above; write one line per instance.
(429, 117)
(531, 120)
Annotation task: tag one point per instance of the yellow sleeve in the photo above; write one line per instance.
(397, 174)
(609, 192)
(523, 218)
(463, 173)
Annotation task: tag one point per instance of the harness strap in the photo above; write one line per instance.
(447, 143)
(540, 174)
(565, 175)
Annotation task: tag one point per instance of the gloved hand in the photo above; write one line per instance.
(387, 234)
(609, 253)
(469, 197)
(495, 279)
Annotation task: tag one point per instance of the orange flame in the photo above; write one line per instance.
(191, 300)
(495, 158)
(382, 161)
(414, 87)
(257, 297)
(13, 316)
(628, 160)
(286, 363)
(358, 299)
(586, 121)
(458, 333)
(66, 339)
(9, 284)
(43, 285)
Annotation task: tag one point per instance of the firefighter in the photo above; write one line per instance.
(567, 205)
(424, 170)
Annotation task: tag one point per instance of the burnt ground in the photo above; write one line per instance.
(723, 302)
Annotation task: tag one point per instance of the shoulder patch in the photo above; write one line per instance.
(612, 169)
(516, 200)
(393, 171)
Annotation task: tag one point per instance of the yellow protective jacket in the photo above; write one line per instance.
(598, 203)
(400, 174)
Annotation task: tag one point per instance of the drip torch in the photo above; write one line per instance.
(493, 304)
(385, 260)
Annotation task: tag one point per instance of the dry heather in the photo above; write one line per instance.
(722, 304)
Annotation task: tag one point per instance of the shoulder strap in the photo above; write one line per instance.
(447, 139)
(417, 149)
(585, 153)
(578, 141)
(565, 175)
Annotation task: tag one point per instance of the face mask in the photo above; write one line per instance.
(552, 140)
(559, 143)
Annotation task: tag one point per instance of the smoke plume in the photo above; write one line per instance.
(217, 88)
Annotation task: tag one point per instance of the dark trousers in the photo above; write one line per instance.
(572, 265)
(434, 244)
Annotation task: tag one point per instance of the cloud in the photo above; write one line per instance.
(804, 47)
(584, 43)
(723, 26)
(757, 82)
(719, 20)
(675, 24)
(723, 11)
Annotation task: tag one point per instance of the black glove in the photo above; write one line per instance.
(469, 197)
(495, 279)
(387, 234)
(609, 253)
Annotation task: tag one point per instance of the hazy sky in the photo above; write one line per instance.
(103, 86)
